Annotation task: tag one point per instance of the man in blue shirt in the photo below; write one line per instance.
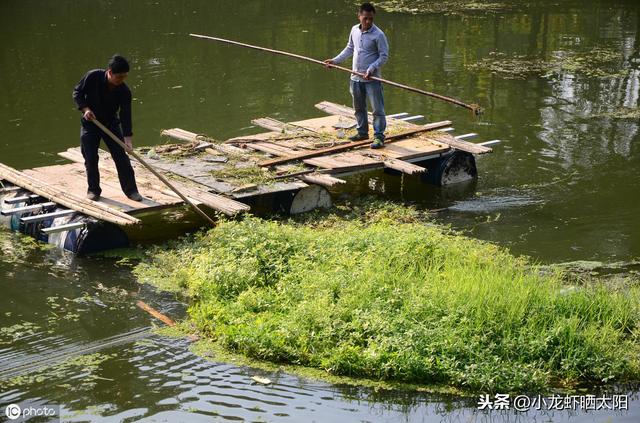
(102, 94)
(370, 50)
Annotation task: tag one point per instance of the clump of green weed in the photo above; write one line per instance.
(380, 294)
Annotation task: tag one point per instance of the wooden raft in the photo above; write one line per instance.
(321, 145)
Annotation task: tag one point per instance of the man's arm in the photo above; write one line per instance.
(80, 97)
(344, 54)
(125, 119)
(383, 54)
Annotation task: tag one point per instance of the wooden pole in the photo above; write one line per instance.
(155, 313)
(152, 170)
(475, 108)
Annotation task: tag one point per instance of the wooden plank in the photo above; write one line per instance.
(271, 124)
(245, 139)
(337, 109)
(462, 145)
(327, 162)
(344, 163)
(403, 167)
(271, 148)
(348, 112)
(352, 145)
(83, 205)
(180, 134)
(324, 180)
(411, 148)
(184, 135)
(282, 127)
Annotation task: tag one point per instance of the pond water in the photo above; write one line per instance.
(562, 186)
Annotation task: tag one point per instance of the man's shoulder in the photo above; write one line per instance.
(124, 89)
(378, 30)
(93, 73)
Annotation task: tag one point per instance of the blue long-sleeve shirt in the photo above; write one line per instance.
(93, 92)
(370, 51)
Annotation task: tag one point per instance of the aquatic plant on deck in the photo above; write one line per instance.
(388, 297)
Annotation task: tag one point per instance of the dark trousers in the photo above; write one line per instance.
(90, 136)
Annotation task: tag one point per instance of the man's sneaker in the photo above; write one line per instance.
(93, 196)
(377, 143)
(135, 196)
(359, 137)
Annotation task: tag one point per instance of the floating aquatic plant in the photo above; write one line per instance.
(377, 292)
(597, 62)
(444, 6)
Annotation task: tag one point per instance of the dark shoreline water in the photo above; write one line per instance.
(561, 187)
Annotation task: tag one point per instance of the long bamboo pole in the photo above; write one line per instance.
(152, 170)
(475, 108)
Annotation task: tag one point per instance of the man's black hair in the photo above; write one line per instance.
(118, 64)
(367, 7)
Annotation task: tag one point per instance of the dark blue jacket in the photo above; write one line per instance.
(93, 92)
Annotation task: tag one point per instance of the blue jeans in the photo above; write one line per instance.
(372, 90)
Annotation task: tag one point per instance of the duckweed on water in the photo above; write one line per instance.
(376, 293)
(598, 62)
(623, 113)
(13, 333)
(85, 369)
(444, 6)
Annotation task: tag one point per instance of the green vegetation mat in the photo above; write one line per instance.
(378, 292)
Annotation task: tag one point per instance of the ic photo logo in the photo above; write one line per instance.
(13, 411)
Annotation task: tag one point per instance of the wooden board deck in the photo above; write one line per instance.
(45, 186)
(72, 179)
(144, 178)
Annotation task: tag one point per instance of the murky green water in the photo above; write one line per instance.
(563, 185)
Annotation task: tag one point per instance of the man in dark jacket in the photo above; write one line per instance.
(101, 94)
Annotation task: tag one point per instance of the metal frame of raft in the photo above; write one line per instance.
(49, 204)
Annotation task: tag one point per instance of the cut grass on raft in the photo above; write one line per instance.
(390, 298)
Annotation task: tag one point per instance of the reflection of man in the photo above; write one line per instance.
(101, 94)
(370, 50)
